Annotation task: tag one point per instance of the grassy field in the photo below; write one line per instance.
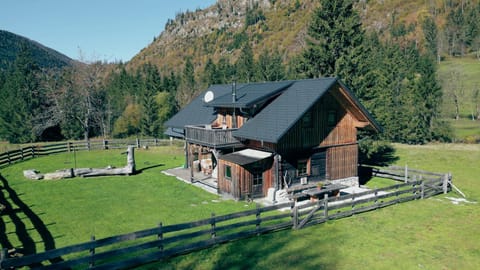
(64, 212)
(424, 234)
(463, 76)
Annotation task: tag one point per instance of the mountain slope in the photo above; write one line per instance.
(221, 29)
(10, 45)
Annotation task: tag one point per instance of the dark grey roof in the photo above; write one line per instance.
(249, 94)
(196, 113)
(278, 117)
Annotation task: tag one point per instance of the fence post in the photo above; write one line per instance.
(33, 151)
(295, 217)
(406, 173)
(8, 157)
(422, 190)
(257, 217)
(105, 144)
(445, 184)
(92, 253)
(160, 236)
(137, 141)
(3, 256)
(213, 234)
(21, 152)
(325, 206)
(375, 202)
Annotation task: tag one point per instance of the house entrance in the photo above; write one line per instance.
(257, 184)
(319, 165)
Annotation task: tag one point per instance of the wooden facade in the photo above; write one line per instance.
(319, 145)
(239, 181)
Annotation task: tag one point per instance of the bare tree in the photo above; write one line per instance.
(476, 103)
(454, 88)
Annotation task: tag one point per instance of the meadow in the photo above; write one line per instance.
(424, 234)
(57, 213)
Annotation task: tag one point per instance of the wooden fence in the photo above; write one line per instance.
(29, 152)
(161, 242)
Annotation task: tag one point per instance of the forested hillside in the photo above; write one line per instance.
(386, 51)
(11, 44)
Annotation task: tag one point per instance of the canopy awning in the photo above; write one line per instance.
(247, 156)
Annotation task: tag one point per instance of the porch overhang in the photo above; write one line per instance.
(247, 157)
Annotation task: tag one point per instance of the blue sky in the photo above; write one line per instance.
(108, 30)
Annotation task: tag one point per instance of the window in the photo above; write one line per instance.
(307, 121)
(331, 118)
(302, 167)
(258, 179)
(228, 172)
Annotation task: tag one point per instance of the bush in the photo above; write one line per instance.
(375, 153)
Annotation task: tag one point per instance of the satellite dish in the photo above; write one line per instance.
(208, 96)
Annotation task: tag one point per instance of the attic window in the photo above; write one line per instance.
(331, 118)
(307, 121)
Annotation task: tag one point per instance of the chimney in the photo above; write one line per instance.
(234, 92)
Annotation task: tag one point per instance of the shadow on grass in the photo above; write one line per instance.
(287, 249)
(14, 209)
(138, 171)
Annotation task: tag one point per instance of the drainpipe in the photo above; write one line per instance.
(276, 167)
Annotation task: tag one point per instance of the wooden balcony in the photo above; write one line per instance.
(211, 137)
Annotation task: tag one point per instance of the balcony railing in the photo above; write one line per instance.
(212, 137)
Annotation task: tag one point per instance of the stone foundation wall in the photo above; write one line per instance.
(350, 181)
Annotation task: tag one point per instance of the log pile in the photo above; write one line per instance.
(129, 169)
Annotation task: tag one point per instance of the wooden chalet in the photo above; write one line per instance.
(258, 138)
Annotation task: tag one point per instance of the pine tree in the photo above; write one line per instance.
(245, 65)
(21, 100)
(431, 36)
(334, 30)
(270, 66)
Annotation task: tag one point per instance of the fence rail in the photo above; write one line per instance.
(29, 152)
(146, 246)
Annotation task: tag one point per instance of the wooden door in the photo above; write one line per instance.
(319, 165)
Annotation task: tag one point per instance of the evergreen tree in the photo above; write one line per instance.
(21, 100)
(430, 32)
(270, 66)
(334, 30)
(245, 65)
(211, 74)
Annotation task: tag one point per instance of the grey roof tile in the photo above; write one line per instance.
(278, 117)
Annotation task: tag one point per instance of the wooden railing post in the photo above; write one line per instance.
(422, 190)
(21, 152)
(3, 257)
(213, 233)
(160, 236)
(137, 141)
(325, 206)
(406, 173)
(445, 184)
(257, 217)
(8, 158)
(295, 217)
(92, 253)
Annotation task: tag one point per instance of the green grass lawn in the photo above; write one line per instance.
(72, 210)
(467, 79)
(424, 234)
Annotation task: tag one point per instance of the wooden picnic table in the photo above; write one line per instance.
(316, 193)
